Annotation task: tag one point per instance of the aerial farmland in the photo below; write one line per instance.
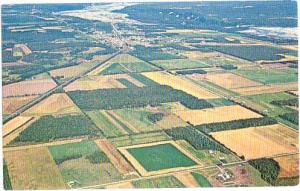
(150, 95)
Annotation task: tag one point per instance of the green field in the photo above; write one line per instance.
(62, 153)
(83, 162)
(114, 69)
(101, 121)
(161, 182)
(155, 157)
(254, 53)
(220, 102)
(141, 138)
(201, 180)
(146, 81)
(49, 128)
(126, 83)
(138, 118)
(266, 99)
(269, 76)
(180, 64)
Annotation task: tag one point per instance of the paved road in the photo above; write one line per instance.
(48, 93)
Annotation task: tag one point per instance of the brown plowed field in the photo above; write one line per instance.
(115, 157)
(289, 165)
(101, 82)
(187, 180)
(28, 87)
(56, 104)
(11, 104)
(258, 142)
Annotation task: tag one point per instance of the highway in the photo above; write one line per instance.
(48, 93)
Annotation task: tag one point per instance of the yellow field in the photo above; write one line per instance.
(179, 83)
(216, 114)
(71, 71)
(258, 142)
(11, 104)
(56, 104)
(273, 88)
(126, 185)
(227, 80)
(171, 121)
(101, 82)
(31, 169)
(289, 165)
(14, 124)
(14, 132)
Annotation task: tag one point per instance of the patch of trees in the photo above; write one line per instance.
(154, 117)
(292, 117)
(235, 124)
(49, 128)
(134, 97)
(197, 139)
(228, 67)
(66, 158)
(97, 157)
(289, 102)
(187, 72)
(269, 169)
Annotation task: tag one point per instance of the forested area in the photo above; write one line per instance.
(134, 97)
(49, 128)
(236, 124)
(268, 168)
(195, 138)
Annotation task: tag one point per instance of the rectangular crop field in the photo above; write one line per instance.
(28, 87)
(180, 83)
(258, 142)
(33, 169)
(289, 165)
(227, 80)
(56, 104)
(216, 114)
(180, 64)
(159, 182)
(150, 159)
(10, 105)
(268, 76)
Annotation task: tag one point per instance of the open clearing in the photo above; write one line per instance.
(115, 157)
(289, 165)
(35, 170)
(258, 142)
(71, 71)
(74, 161)
(226, 80)
(28, 87)
(216, 114)
(199, 54)
(10, 105)
(171, 121)
(56, 104)
(180, 64)
(179, 83)
(150, 159)
(273, 88)
(101, 82)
